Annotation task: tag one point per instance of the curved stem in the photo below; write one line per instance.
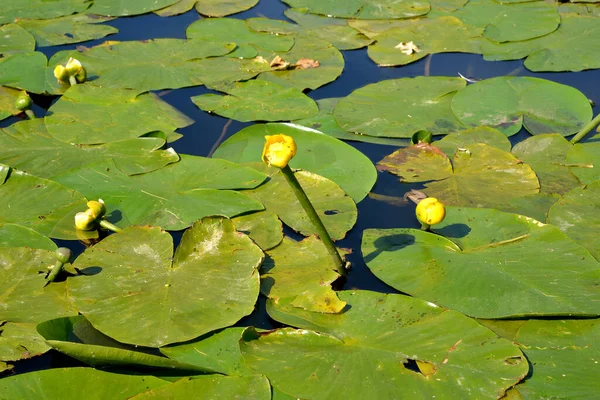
(72, 80)
(425, 227)
(29, 113)
(109, 226)
(586, 129)
(58, 266)
(314, 218)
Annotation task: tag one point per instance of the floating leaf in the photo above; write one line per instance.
(211, 8)
(451, 143)
(39, 9)
(388, 108)
(302, 273)
(337, 211)
(417, 163)
(20, 341)
(76, 383)
(28, 146)
(547, 154)
(14, 38)
(257, 100)
(507, 103)
(13, 235)
(211, 282)
(534, 205)
(317, 153)
(29, 71)
(173, 197)
(88, 114)
(490, 264)
(213, 387)
(131, 7)
(69, 29)
(263, 227)
(583, 160)
(8, 96)
(576, 214)
(377, 337)
(363, 9)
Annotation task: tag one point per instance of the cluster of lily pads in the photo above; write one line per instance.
(499, 297)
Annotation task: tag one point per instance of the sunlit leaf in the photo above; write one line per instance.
(583, 160)
(211, 8)
(130, 7)
(14, 38)
(20, 341)
(263, 227)
(363, 9)
(8, 96)
(14, 235)
(40, 9)
(213, 387)
(451, 143)
(29, 71)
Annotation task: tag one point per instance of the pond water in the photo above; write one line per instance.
(209, 130)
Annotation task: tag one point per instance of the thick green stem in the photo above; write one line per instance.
(314, 218)
(58, 266)
(111, 227)
(30, 113)
(72, 80)
(586, 129)
(425, 227)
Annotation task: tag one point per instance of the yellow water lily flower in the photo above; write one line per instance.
(96, 208)
(430, 211)
(279, 150)
(85, 221)
(73, 66)
(61, 73)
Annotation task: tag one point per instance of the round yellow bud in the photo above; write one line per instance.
(430, 211)
(96, 208)
(73, 66)
(61, 73)
(279, 150)
(85, 221)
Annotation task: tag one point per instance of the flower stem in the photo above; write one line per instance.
(58, 266)
(109, 226)
(314, 218)
(29, 113)
(425, 227)
(72, 80)
(586, 129)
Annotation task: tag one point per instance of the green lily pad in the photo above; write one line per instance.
(477, 176)
(20, 341)
(77, 338)
(13, 235)
(337, 211)
(173, 197)
(263, 227)
(534, 205)
(363, 9)
(388, 108)
(172, 63)
(583, 160)
(324, 122)
(219, 351)
(131, 7)
(210, 8)
(302, 273)
(40, 204)
(14, 38)
(39, 9)
(317, 153)
(377, 338)
(547, 154)
(213, 387)
(237, 31)
(564, 356)
(68, 29)
(88, 114)
(490, 265)
(257, 101)
(576, 214)
(8, 96)
(572, 47)
(24, 294)
(503, 22)
(450, 144)
(508, 103)
(76, 383)
(445, 34)
(137, 271)
(29, 71)
(28, 146)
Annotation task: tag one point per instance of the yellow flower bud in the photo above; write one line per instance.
(85, 221)
(96, 208)
(73, 66)
(279, 150)
(61, 73)
(430, 211)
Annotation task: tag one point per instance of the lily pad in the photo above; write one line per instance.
(40, 204)
(263, 227)
(29, 71)
(20, 341)
(547, 154)
(76, 383)
(337, 211)
(317, 153)
(8, 96)
(257, 100)
(39, 9)
(28, 146)
(576, 214)
(575, 37)
(509, 103)
(363, 9)
(13, 235)
(388, 108)
(68, 29)
(88, 114)
(173, 197)
(214, 266)
(14, 38)
(450, 144)
(172, 63)
(534, 205)
(213, 387)
(490, 264)
(583, 160)
(131, 7)
(210, 8)
(301, 273)
(477, 176)
(377, 338)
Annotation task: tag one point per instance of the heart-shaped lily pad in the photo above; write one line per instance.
(40, 9)
(14, 38)
(363, 9)
(131, 7)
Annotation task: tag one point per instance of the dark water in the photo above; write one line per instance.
(359, 71)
